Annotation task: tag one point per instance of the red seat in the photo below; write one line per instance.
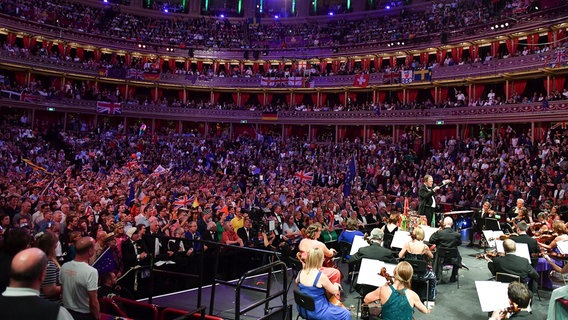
(172, 313)
(110, 307)
(137, 310)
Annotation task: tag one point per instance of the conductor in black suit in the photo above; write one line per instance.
(513, 264)
(426, 195)
(448, 238)
(374, 251)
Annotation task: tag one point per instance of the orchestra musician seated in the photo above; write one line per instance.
(397, 299)
(483, 213)
(313, 233)
(415, 249)
(513, 264)
(374, 251)
(448, 238)
(314, 283)
(559, 229)
(519, 299)
(522, 237)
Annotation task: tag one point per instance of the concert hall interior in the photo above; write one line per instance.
(264, 159)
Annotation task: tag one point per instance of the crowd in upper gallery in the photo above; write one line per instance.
(204, 32)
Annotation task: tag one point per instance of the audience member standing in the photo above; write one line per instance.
(21, 299)
(80, 283)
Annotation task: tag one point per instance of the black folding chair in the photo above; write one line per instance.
(305, 303)
(446, 259)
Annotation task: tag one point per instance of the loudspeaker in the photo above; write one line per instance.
(444, 37)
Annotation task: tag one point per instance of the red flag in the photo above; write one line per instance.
(361, 80)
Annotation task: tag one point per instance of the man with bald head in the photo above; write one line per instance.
(448, 238)
(79, 282)
(21, 299)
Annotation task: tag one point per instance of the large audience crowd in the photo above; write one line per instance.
(107, 181)
(222, 33)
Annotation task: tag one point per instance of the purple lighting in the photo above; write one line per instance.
(276, 17)
(166, 10)
(105, 1)
(388, 7)
(222, 16)
(330, 13)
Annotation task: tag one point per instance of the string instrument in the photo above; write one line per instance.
(546, 238)
(387, 276)
(374, 309)
(489, 255)
(510, 311)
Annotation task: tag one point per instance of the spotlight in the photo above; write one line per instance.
(492, 27)
(166, 10)
(276, 17)
(105, 1)
(222, 16)
(402, 43)
(506, 24)
(496, 26)
(388, 7)
(502, 26)
(330, 13)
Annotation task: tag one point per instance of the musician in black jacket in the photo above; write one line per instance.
(522, 237)
(448, 238)
(513, 264)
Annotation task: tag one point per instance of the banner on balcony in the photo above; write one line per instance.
(110, 108)
(284, 82)
(406, 76)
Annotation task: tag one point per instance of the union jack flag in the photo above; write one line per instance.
(26, 97)
(135, 74)
(183, 201)
(304, 177)
(132, 165)
(108, 107)
(560, 125)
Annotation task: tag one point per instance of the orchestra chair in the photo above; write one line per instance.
(344, 249)
(420, 267)
(137, 310)
(305, 303)
(444, 261)
(173, 313)
(109, 306)
(506, 277)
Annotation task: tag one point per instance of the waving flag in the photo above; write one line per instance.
(183, 201)
(105, 262)
(108, 107)
(159, 171)
(349, 177)
(304, 177)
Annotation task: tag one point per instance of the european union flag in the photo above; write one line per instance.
(105, 263)
(349, 177)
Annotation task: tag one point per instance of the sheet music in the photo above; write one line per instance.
(358, 243)
(369, 272)
(521, 251)
(400, 239)
(562, 246)
(491, 235)
(492, 295)
(428, 232)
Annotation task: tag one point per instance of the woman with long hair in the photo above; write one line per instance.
(311, 281)
(50, 287)
(311, 241)
(397, 299)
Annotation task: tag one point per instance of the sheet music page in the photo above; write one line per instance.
(358, 243)
(491, 235)
(562, 246)
(369, 272)
(522, 249)
(400, 239)
(492, 295)
(428, 232)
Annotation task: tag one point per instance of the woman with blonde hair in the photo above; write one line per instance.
(415, 249)
(397, 299)
(314, 283)
(558, 227)
(311, 241)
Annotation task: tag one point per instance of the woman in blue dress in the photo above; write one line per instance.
(397, 300)
(311, 281)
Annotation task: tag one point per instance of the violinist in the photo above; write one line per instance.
(558, 228)
(415, 249)
(541, 226)
(513, 264)
(313, 233)
(522, 237)
(397, 299)
(519, 299)
(390, 228)
(483, 213)
(314, 283)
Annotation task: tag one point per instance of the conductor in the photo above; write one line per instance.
(426, 195)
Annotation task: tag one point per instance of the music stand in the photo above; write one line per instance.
(491, 224)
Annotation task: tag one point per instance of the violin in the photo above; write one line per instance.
(509, 311)
(387, 276)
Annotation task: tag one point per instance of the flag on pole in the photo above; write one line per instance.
(349, 177)
(361, 80)
(105, 262)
